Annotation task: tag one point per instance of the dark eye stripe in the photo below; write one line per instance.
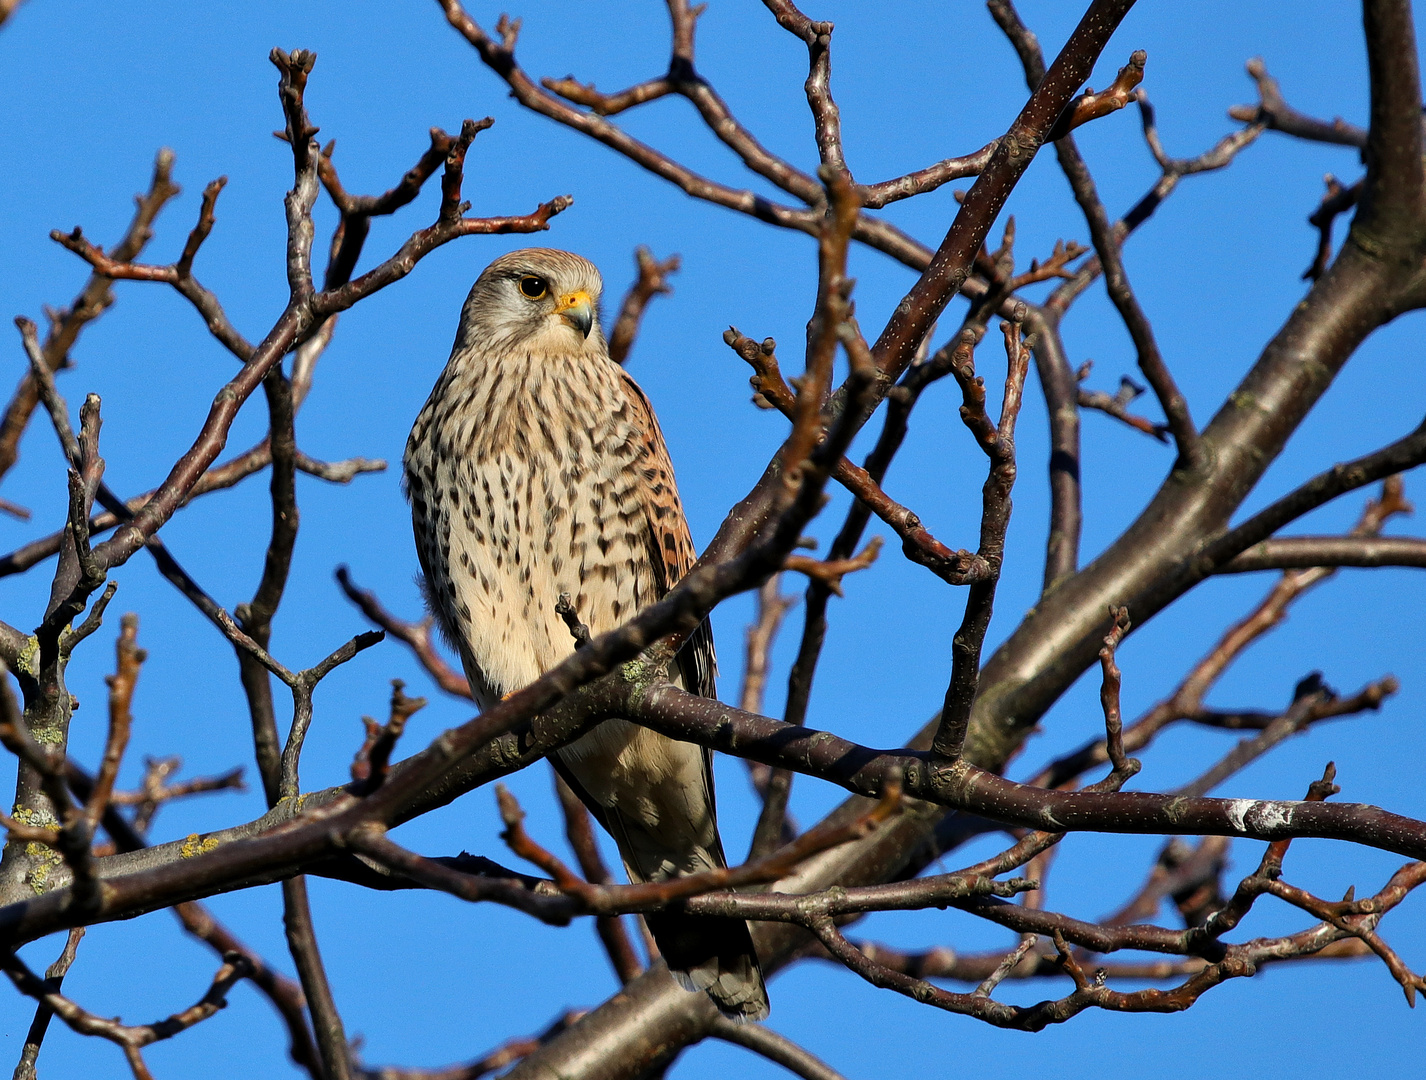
(533, 287)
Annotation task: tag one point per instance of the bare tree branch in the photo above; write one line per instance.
(652, 281)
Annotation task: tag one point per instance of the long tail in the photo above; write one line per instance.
(716, 955)
(706, 953)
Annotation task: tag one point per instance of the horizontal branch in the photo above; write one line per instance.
(961, 786)
(1301, 552)
(875, 196)
(1274, 113)
(1405, 453)
(218, 478)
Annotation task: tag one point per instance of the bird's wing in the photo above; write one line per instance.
(673, 556)
(670, 543)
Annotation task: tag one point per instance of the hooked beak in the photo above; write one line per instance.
(578, 310)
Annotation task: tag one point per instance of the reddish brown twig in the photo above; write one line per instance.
(1107, 240)
(600, 899)
(1357, 918)
(772, 785)
(358, 210)
(772, 608)
(1091, 106)
(415, 635)
(875, 196)
(1124, 766)
(497, 51)
(564, 608)
(1231, 914)
(585, 94)
(373, 759)
(121, 696)
(1219, 156)
(1368, 699)
(771, 391)
(155, 790)
(97, 295)
(830, 327)
(54, 981)
(1117, 404)
(652, 281)
(1010, 962)
(831, 571)
(121, 267)
(1056, 266)
(955, 567)
(998, 442)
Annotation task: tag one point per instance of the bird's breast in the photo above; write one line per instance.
(523, 488)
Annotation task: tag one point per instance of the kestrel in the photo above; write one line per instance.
(537, 468)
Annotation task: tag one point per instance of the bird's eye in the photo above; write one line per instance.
(534, 287)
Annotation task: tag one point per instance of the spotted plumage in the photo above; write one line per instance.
(537, 468)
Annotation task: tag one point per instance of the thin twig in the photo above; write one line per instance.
(415, 635)
(652, 281)
(54, 981)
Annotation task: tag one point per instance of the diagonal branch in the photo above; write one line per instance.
(54, 981)
(950, 266)
(652, 281)
(93, 300)
(416, 636)
(1403, 454)
(1107, 248)
(120, 266)
(1274, 113)
(776, 1048)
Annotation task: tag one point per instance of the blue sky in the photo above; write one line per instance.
(92, 90)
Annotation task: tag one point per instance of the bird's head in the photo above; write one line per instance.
(539, 300)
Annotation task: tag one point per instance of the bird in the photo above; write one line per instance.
(537, 468)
